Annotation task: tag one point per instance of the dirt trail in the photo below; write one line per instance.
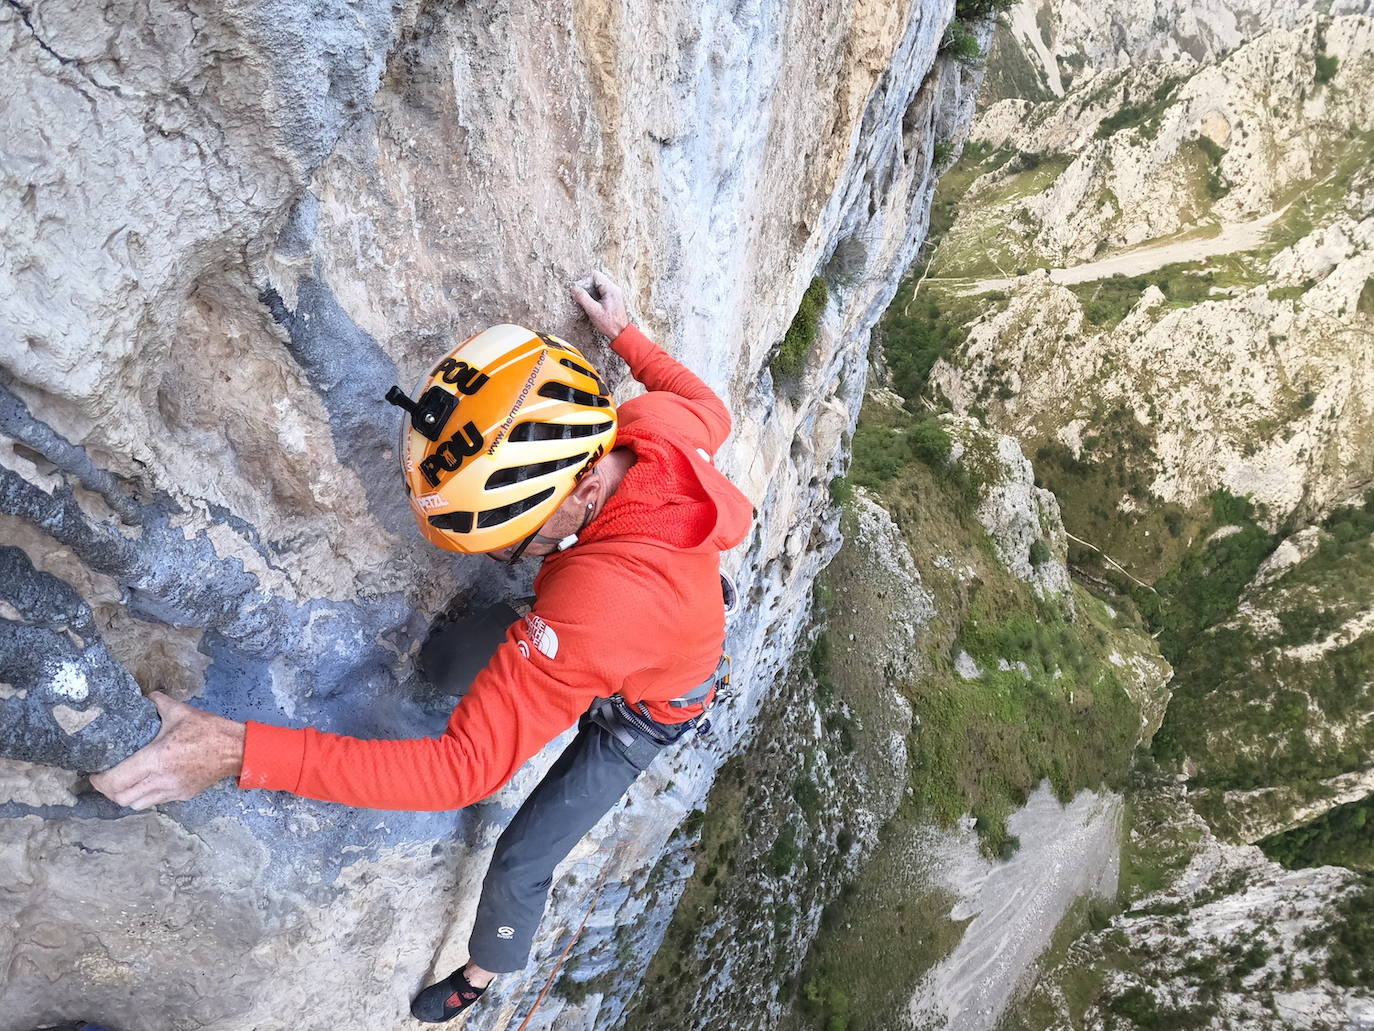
(1239, 236)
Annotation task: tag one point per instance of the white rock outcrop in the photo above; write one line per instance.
(1021, 519)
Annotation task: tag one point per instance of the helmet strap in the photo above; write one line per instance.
(559, 545)
(520, 550)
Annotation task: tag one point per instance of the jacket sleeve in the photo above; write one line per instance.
(657, 370)
(516, 706)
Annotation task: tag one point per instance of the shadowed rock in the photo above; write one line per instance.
(64, 700)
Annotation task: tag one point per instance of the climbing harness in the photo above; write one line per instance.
(621, 718)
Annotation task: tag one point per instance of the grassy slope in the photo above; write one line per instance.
(982, 744)
(783, 826)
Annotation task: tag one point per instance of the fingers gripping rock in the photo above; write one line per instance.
(64, 699)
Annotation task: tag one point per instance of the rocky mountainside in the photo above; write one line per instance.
(1216, 296)
(1152, 268)
(1074, 730)
(227, 230)
(1149, 398)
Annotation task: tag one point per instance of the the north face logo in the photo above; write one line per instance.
(544, 637)
(505, 933)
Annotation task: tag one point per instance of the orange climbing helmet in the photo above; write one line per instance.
(503, 428)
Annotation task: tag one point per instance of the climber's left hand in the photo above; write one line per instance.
(193, 750)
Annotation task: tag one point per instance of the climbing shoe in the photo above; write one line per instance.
(445, 1000)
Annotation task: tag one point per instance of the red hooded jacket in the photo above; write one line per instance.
(633, 609)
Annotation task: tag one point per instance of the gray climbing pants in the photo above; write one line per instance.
(591, 775)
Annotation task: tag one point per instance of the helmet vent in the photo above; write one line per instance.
(553, 342)
(563, 392)
(556, 430)
(568, 363)
(520, 473)
(458, 522)
(504, 514)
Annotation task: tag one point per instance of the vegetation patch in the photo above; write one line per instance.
(1056, 711)
(1328, 195)
(1365, 304)
(1144, 115)
(1105, 499)
(1107, 301)
(992, 240)
(1205, 587)
(800, 337)
(1289, 293)
(976, 160)
(1214, 187)
(1343, 836)
(960, 43)
(1326, 68)
(919, 330)
(1350, 938)
(1080, 985)
(875, 941)
(1059, 712)
(885, 444)
(1245, 708)
(1163, 836)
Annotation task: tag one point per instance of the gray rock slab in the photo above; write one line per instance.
(64, 700)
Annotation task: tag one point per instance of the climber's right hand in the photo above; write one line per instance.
(604, 303)
(193, 750)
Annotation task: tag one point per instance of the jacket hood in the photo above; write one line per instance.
(673, 496)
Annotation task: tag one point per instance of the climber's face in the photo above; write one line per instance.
(569, 518)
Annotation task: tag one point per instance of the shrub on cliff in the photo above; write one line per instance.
(960, 44)
(801, 334)
(971, 10)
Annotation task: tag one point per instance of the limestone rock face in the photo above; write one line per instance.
(226, 231)
(1021, 519)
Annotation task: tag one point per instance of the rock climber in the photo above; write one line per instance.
(515, 448)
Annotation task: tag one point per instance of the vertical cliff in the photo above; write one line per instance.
(226, 230)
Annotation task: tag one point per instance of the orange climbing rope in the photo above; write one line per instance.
(562, 956)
